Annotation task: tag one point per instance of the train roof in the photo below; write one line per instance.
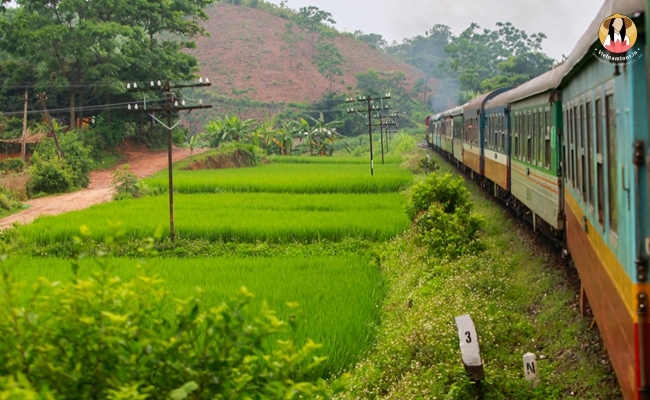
(545, 82)
(630, 8)
(481, 101)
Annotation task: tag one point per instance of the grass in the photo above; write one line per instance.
(311, 178)
(239, 217)
(338, 296)
(519, 300)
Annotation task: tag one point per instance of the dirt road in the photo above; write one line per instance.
(143, 163)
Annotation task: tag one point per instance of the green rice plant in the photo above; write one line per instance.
(237, 217)
(332, 300)
(393, 159)
(290, 178)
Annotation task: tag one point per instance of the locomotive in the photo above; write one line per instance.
(569, 151)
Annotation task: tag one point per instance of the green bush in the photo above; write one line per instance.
(50, 174)
(97, 336)
(127, 185)
(12, 165)
(441, 211)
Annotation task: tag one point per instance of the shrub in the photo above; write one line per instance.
(440, 209)
(97, 336)
(12, 165)
(50, 174)
(125, 182)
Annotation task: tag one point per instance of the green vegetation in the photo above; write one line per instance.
(337, 295)
(97, 335)
(333, 177)
(383, 303)
(245, 217)
(519, 301)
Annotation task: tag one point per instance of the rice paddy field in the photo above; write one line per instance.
(286, 203)
(285, 177)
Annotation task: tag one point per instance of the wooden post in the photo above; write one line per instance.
(23, 151)
(41, 98)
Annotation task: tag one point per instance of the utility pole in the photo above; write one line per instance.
(383, 124)
(171, 105)
(369, 100)
(23, 151)
(41, 98)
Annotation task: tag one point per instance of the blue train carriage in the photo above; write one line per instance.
(456, 115)
(535, 152)
(496, 143)
(606, 191)
(474, 120)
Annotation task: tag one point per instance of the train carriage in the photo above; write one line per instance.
(474, 124)
(496, 143)
(535, 153)
(606, 194)
(446, 134)
(456, 115)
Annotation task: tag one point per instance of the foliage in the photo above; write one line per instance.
(50, 174)
(427, 165)
(373, 40)
(127, 185)
(321, 136)
(312, 19)
(229, 128)
(97, 336)
(110, 131)
(12, 165)
(441, 212)
(477, 57)
(328, 60)
(521, 300)
(87, 50)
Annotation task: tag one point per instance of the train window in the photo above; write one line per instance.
(534, 141)
(612, 162)
(529, 141)
(575, 174)
(590, 156)
(547, 140)
(540, 137)
(569, 133)
(583, 153)
(600, 170)
(503, 133)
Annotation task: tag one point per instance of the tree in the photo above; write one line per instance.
(487, 59)
(313, 19)
(291, 37)
(373, 40)
(329, 61)
(87, 49)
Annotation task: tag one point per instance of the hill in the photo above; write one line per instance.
(245, 57)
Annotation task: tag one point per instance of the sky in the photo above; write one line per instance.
(563, 21)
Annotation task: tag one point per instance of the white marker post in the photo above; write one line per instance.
(530, 368)
(469, 347)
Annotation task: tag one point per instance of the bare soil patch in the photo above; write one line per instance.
(142, 163)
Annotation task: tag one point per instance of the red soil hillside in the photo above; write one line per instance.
(246, 57)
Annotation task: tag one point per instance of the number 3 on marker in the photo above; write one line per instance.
(468, 337)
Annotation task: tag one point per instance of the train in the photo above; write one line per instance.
(569, 151)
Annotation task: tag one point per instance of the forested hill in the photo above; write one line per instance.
(252, 53)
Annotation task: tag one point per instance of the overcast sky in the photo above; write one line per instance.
(563, 21)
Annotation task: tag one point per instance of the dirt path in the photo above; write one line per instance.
(143, 163)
